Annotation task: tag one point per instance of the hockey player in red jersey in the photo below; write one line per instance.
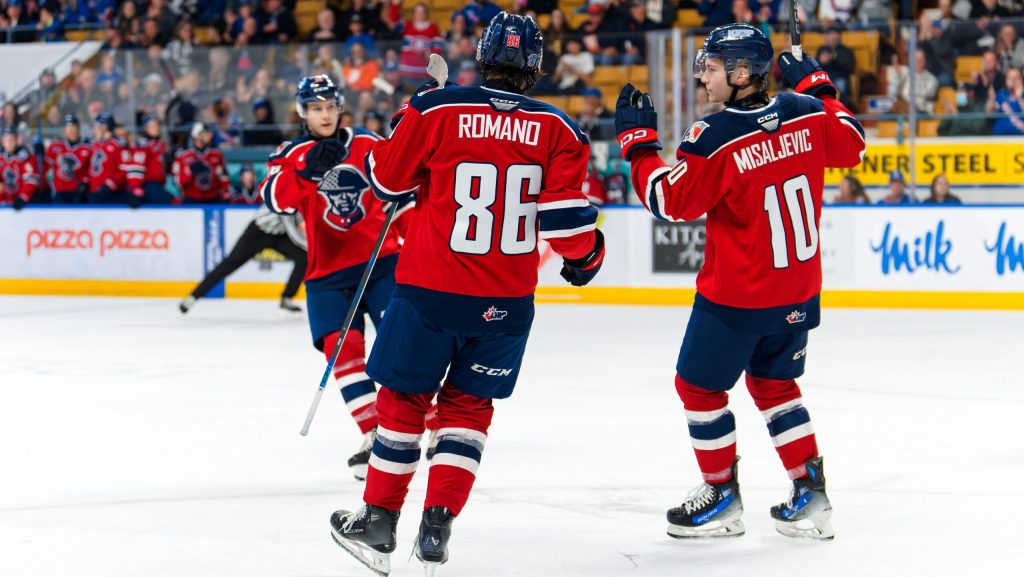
(492, 170)
(19, 177)
(756, 169)
(144, 165)
(106, 179)
(200, 171)
(67, 162)
(321, 176)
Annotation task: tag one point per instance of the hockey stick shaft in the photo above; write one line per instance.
(353, 309)
(796, 47)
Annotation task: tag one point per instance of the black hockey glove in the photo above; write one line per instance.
(321, 157)
(18, 203)
(82, 191)
(806, 76)
(636, 121)
(580, 271)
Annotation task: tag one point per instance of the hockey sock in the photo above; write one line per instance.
(464, 420)
(712, 430)
(358, 391)
(431, 421)
(396, 451)
(789, 424)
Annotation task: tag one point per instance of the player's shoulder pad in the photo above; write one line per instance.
(709, 134)
(288, 148)
(531, 106)
(362, 132)
(22, 153)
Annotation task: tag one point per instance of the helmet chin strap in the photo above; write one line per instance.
(759, 98)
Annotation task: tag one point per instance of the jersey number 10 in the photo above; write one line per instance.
(800, 206)
(476, 190)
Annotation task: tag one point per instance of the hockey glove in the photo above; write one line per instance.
(636, 121)
(580, 271)
(18, 203)
(321, 157)
(82, 191)
(806, 76)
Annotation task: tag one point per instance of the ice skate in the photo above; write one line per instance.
(432, 542)
(368, 535)
(807, 512)
(360, 462)
(288, 306)
(187, 304)
(432, 444)
(710, 510)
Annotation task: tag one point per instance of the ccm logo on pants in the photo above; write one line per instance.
(491, 372)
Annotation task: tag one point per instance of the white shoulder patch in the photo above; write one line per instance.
(694, 132)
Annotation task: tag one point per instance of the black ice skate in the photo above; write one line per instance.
(432, 542)
(710, 510)
(360, 462)
(185, 305)
(289, 306)
(368, 535)
(807, 512)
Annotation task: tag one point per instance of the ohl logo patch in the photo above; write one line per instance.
(796, 317)
(343, 188)
(493, 314)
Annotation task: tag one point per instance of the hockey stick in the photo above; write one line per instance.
(794, 33)
(438, 69)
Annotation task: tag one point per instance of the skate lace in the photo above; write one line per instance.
(351, 520)
(700, 497)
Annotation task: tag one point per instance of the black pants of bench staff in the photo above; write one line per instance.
(252, 242)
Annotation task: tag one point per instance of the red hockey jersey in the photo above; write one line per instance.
(342, 216)
(144, 162)
(201, 174)
(758, 175)
(494, 171)
(105, 165)
(68, 164)
(20, 175)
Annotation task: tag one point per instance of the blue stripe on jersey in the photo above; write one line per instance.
(358, 389)
(268, 198)
(364, 132)
(288, 146)
(786, 421)
(567, 218)
(716, 429)
(447, 445)
(386, 453)
(854, 123)
(652, 199)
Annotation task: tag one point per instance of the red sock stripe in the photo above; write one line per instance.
(450, 486)
(768, 393)
(714, 464)
(697, 399)
(401, 413)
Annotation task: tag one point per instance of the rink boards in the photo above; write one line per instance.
(902, 257)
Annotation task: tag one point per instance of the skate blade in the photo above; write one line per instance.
(360, 471)
(729, 527)
(429, 567)
(819, 529)
(379, 563)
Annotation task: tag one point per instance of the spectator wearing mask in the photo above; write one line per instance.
(959, 121)
(940, 192)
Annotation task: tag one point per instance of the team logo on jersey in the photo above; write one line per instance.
(502, 105)
(695, 131)
(343, 188)
(202, 174)
(796, 317)
(493, 314)
(11, 180)
(69, 164)
(769, 122)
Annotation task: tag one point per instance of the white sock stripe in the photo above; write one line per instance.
(796, 433)
(705, 416)
(392, 467)
(769, 413)
(470, 434)
(453, 460)
(344, 367)
(714, 444)
(718, 477)
(398, 437)
(360, 402)
(351, 378)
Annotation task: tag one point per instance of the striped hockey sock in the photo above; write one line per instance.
(358, 391)
(396, 451)
(712, 430)
(789, 423)
(464, 421)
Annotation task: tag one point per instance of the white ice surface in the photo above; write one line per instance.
(136, 442)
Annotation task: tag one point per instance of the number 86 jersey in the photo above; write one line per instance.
(492, 172)
(758, 175)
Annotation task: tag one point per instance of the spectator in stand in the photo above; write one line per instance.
(990, 9)
(326, 27)
(742, 13)
(478, 12)
(1010, 102)
(940, 192)
(990, 80)
(115, 41)
(836, 11)
(420, 39)
(109, 71)
(574, 68)
(636, 25)
(50, 26)
(376, 122)
(837, 59)
(326, 63)
(602, 34)
(458, 30)
(217, 78)
(469, 74)
(248, 36)
(179, 52)
(851, 191)
(236, 19)
(897, 190)
(556, 32)
(22, 25)
(936, 43)
(267, 133)
(277, 25)
(128, 22)
(368, 14)
(360, 70)
(595, 120)
(165, 20)
(715, 12)
(226, 125)
(960, 110)
(150, 35)
(389, 86)
(359, 35)
(1009, 47)
(78, 12)
(927, 86)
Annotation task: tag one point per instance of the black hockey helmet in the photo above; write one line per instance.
(511, 40)
(735, 44)
(316, 88)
